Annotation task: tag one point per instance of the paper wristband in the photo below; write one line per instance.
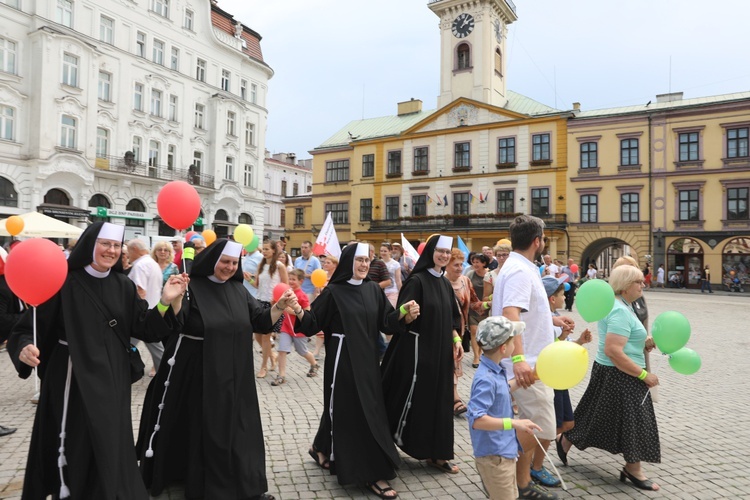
(643, 375)
(456, 340)
(403, 310)
(507, 424)
(518, 358)
(161, 307)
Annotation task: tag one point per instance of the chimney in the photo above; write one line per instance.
(576, 106)
(409, 107)
(291, 158)
(674, 96)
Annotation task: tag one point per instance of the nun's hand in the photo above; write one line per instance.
(174, 288)
(288, 299)
(29, 355)
(412, 311)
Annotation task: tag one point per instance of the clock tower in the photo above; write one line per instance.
(472, 47)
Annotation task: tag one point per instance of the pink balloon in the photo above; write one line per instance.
(178, 204)
(574, 268)
(421, 247)
(189, 235)
(279, 290)
(36, 270)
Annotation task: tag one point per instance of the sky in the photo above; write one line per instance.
(341, 60)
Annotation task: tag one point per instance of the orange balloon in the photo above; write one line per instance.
(319, 278)
(14, 225)
(209, 235)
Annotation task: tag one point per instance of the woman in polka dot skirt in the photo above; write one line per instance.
(613, 414)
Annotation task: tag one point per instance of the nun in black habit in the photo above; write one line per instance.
(353, 440)
(82, 440)
(201, 422)
(418, 364)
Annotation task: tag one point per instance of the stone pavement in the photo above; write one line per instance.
(703, 422)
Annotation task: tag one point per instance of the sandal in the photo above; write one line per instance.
(325, 464)
(313, 370)
(561, 451)
(262, 373)
(279, 380)
(459, 408)
(381, 492)
(446, 466)
(644, 484)
(536, 492)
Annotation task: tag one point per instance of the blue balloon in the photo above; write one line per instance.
(541, 270)
(197, 237)
(566, 287)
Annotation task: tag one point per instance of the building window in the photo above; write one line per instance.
(105, 86)
(339, 212)
(506, 150)
(505, 202)
(200, 111)
(463, 56)
(243, 89)
(171, 156)
(198, 161)
(394, 162)
(421, 160)
(283, 189)
(688, 146)
(135, 205)
(140, 44)
(498, 62)
(391, 207)
(226, 77)
(689, 204)
(68, 132)
(8, 194)
(107, 30)
(299, 216)
(154, 151)
(249, 134)
(173, 107)
(588, 208)
(156, 102)
(245, 218)
(229, 168)
(231, 120)
(7, 122)
(7, 56)
(589, 155)
(629, 152)
(70, 70)
(65, 12)
(737, 202)
(737, 143)
(461, 203)
(161, 7)
(295, 189)
(629, 207)
(102, 142)
(368, 165)
(174, 62)
(540, 201)
(158, 52)
(419, 205)
(16, 4)
(137, 143)
(188, 23)
(253, 93)
(365, 209)
(248, 177)
(462, 155)
(337, 171)
(200, 70)
(540, 147)
(138, 97)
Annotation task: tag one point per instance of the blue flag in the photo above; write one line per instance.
(462, 246)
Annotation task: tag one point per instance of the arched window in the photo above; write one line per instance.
(135, 205)
(735, 263)
(99, 200)
(684, 263)
(245, 219)
(463, 56)
(8, 194)
(221, 214)
(499, 62)
(56, 197)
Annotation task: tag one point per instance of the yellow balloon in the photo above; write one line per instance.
(562, 365)
(243, 234)
(319, 278)
(504, 241)
(209, 235)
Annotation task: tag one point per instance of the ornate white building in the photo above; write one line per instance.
(103, 102)
(285, 177)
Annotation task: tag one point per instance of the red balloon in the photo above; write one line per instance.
(36, 270)
(574, 268)
(178, 204)
(189, 235)
(279, 290)
(421, 247)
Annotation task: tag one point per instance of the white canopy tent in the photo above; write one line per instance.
(38, 225)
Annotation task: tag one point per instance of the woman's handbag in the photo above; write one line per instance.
(466, 340)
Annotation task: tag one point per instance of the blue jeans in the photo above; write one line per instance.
(706, 285)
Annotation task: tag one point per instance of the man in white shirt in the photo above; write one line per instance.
(550, 267)
(308, 263)
(519, 295)
(147, 276)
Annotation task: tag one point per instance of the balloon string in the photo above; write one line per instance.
(562, 481)
(36, 378)
(648, 391)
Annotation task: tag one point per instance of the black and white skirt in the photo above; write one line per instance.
(277, 325)
(610, 417)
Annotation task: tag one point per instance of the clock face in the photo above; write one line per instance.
(498, 32)
(463, 25)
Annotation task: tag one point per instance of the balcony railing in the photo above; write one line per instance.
(471, 221)
(126, 165)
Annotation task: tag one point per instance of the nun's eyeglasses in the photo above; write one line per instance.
(107, 245)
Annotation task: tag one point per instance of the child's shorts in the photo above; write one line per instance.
(286, 341)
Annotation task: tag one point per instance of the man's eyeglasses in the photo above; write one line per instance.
(502, 255)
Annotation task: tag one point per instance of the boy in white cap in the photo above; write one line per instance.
(491, 424)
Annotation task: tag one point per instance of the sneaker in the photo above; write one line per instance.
(544, 477)
(4, 431)
(536, 492)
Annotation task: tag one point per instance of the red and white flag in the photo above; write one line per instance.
(327, 242)
(409, 250)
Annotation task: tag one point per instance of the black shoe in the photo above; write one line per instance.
(4, 431)
(561, 451)
(643, 484)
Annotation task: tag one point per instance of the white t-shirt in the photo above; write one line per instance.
(519, 285)
(393, 267)
(591, 273)
(553, 269)
(147, 274)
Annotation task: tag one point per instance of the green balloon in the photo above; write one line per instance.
(671, 331)
(250, 247)
(594, 300)
(685, 361)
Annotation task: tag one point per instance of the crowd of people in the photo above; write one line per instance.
(390, 333)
